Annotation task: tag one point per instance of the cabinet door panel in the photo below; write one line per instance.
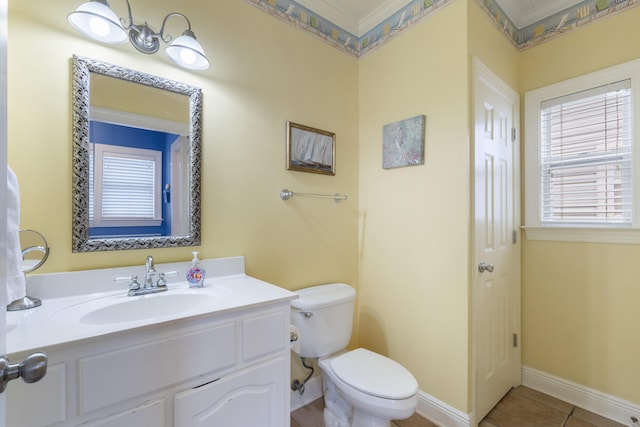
(50, 395)
(151, 414)
(249, 398)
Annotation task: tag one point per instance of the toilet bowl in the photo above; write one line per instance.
(375, 387)
(361, 388)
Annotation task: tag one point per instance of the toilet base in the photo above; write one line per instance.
(331, 420)
(338, 412)
(361, 419)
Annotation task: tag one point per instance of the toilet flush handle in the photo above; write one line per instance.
(306, 314)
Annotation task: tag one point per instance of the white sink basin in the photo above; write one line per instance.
(148, 307)
(88, 304)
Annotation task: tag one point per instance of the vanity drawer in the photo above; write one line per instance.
(115, 376)
(149, 414)
(265, 334)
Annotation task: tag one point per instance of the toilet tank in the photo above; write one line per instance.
(324, 316)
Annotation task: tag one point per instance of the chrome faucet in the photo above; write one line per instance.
(150, 271)
(148, 286)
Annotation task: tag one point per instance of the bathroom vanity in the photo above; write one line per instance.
(216, 356)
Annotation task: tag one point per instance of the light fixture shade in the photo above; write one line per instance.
(96, 20)
(186, 52)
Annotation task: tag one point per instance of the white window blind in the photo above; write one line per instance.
(586, 157)
(125, 186)
(128, 187)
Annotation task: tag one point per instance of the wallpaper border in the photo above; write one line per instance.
(581, 14)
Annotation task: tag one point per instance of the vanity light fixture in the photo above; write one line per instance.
(96, 20)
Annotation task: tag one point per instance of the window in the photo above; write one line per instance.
(585, 155)
(580, 158)
(125, 184)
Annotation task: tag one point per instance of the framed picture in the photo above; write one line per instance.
(310, 150)
(403, 143)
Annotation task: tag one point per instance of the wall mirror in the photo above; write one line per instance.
(136, 159)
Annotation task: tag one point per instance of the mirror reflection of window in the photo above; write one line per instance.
(129, 168)
(124, 188)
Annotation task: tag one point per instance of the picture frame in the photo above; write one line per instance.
(310, 149)
(403, 143)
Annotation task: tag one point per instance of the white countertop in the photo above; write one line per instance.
(61, 318)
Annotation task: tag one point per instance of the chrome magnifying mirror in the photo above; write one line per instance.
(35, 251)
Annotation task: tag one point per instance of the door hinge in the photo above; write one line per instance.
(513, 134)
(515, 340)
(514, 237)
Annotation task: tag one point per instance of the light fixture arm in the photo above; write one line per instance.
(168, 36)
(123, 22)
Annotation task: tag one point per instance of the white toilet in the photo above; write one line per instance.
(361, 388)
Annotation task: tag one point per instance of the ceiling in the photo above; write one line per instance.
(360, 16)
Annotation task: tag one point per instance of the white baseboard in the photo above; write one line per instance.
(440, 413)
(312, 391)
(587, 398)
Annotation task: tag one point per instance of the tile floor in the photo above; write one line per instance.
(521, 407)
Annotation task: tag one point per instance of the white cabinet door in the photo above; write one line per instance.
(49, 395)
(147, 415)
(248, 398)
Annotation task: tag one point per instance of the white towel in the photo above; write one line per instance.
(16, 286)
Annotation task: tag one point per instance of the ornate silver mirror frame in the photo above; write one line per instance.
(81, 242)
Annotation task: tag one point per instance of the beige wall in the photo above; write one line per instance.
(414, 221)
(491, 47)
(263, 73)
(579, 300)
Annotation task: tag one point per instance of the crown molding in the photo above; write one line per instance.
(523, 14)
(342, 19)
(379, 14)
(333, 14)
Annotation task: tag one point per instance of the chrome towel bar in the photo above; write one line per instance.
(287, 194)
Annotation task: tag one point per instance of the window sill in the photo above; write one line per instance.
(583, 235)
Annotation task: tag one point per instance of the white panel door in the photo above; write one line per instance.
(497, 253)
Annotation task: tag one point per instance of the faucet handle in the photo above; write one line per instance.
(133, 281)
(134, 285)
(162, 282)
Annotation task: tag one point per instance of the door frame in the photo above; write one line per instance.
(3, 190)
(481, 73)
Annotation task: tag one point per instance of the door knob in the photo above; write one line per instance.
(33, 368)
(483, 266)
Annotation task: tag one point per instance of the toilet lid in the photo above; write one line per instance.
(374, 374)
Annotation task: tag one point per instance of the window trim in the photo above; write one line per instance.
(533, 227)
